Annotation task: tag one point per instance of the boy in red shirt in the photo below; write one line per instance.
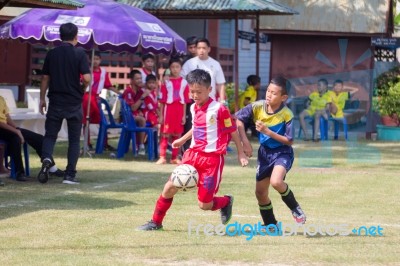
(212, 130)
(150, 110)
(134, 96)
(100, 80)
(174, 96)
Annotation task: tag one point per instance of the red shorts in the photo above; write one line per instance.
(94, 109)
(152, 118)
(173, 114)
(209, 166)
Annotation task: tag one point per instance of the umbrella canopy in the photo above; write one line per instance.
(104, 24)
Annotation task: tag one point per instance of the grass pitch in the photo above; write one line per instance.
(337, 183)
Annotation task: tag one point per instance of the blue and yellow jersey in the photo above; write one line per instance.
(280, 122)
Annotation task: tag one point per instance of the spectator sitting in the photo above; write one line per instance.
(339, 96)
(318, 103)
(15, 136)
(134, 96)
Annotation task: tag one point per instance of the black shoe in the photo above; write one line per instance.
(43, 175)
(71, 180)
(150, 226)
(110, 148)
(226, 212)
(21, 177)
(58, 173)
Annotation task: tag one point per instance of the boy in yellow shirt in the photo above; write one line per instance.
(250, 96)
(318, 106)
(339, 96)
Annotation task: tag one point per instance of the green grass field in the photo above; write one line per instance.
(336, 183)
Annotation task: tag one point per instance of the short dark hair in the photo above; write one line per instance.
(323, 81)
(281, 82)
(200, 77)
(253, 80)
(147, 56)
(191, 40)
(338, 81)
(151, 77)
(68, 31)
(97, 53)
(134, 72)
(203, 40)
(174, 60)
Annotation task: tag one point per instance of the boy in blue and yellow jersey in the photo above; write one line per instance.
(274, 122)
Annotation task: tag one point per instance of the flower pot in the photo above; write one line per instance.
(389, 133)
(390, 121)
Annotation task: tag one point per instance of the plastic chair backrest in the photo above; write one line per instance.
(111, 120)
(129, 120)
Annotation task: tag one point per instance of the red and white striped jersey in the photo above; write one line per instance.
(212, 127)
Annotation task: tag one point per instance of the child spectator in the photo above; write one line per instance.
(15, 137)
(134, 96)
(339, 96)
(147, 67)
(250, 96)
(174, 96)
(318, 106)
(100, 81)
(213, 127)
(274, 121)
(150, 109)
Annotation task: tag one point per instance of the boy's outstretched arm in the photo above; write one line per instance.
(242, 158)
(247, 148)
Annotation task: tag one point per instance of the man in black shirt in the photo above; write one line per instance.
(62, 71)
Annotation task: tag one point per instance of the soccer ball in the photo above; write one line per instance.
(185, 177)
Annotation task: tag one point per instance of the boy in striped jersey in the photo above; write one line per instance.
(212, 129)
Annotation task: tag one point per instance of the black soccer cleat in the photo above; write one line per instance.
(43, 175)
(226, 212)
(150, 226)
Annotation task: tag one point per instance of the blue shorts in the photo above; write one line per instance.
(268, 158)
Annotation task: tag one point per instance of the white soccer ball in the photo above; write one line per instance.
(185, 177)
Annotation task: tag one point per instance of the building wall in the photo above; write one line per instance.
(306, 59)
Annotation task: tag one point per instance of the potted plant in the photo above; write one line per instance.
(386, 102)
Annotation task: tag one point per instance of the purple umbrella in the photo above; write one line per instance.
(102, 23)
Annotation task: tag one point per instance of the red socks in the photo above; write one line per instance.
(161, 209)
(220, 202)
(175, 151)
(163, 146)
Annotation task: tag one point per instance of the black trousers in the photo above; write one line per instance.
(13, 148)
(54, 118)
(33, 139)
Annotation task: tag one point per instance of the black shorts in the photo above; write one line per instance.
(268, 158)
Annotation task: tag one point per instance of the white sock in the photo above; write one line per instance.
(53, 169)
(141, 146)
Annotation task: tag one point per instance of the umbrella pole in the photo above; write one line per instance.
(87, 125)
